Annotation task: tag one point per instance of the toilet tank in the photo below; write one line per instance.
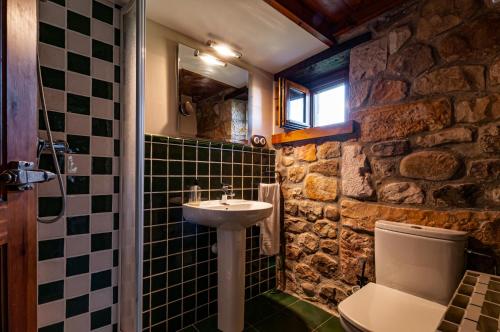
(424, 261)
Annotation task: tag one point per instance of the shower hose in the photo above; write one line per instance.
(52, 219)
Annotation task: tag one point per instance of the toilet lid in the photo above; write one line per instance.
(379, 308)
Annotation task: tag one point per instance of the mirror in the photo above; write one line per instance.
(215, 93)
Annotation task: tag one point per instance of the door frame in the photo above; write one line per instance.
(19, 131)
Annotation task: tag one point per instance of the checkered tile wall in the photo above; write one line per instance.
(79, 45)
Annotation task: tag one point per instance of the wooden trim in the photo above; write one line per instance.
(318, 26)
(307, 106)
(326, 54)
(342, 129)
(20, 106)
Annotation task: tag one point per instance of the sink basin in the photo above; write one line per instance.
(231, 219)
(234, 214)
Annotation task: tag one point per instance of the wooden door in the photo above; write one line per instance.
(18, 133)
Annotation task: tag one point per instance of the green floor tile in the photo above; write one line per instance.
(331, 325)
(280, 297)
(310, 314)
(282, 321)
(260, 308)
(208, 325)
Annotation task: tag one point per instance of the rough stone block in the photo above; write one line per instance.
(325, 229)
(287, 161)
(457, 195)
(332, 212)
(474, 40)
(356, 176)
(311, 210)
(411, 61)
(401, 193)
(330, 247)
(324, 264)
(359, 93)
(398, 38)
(354, 248)
(296, 225)
(305, 152)
(321, 188)
(489, 138)
(400, 121)
(430, 165)
(383, 168)
(484, 226)
(485, 169)
(308, 242)
(451, 79)
(296, 173)
(494, 72)
(329, 150)
(305, 272)
(390, 148)
(293, 252)
(384, 91)
(470, 111)
(367, 60)
(326, 167)
(452, 135)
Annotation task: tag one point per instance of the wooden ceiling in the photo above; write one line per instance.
(327, 19)
(199, 87)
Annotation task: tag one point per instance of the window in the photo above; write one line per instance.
(316, 105)
(329, 105)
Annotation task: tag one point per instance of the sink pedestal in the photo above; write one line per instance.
(231, 279)
(231, 219)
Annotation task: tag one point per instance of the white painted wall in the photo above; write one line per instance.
(161, 87)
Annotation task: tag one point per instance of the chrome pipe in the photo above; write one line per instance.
(139, 198)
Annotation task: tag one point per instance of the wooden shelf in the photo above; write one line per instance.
(342, 129)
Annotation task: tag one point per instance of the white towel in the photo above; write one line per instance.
(270, 227)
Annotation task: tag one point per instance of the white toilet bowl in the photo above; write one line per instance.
(379, 308)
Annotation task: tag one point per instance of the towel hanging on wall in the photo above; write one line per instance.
(270, 227)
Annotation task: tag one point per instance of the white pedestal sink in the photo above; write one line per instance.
(231, 219)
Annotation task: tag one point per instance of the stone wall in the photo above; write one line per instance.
(425, 93)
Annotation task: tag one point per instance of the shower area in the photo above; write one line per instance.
(114, 253)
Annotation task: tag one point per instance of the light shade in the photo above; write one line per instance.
(224, 50)
(209, 59)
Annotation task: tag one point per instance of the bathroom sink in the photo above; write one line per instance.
(230, 217)
(235, 214)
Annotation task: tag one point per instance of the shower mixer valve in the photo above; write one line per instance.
(22, 175)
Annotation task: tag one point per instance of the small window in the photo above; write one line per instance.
(317, 105)
(296, 105)
(329, 105)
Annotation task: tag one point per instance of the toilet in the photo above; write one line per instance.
(417, 270)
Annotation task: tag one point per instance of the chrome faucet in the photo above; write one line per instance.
(228, 193)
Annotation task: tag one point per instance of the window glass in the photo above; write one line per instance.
(296, 105)
(329, 106)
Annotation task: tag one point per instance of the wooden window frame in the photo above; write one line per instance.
(290, 124)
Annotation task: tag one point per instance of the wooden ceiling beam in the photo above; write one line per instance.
(322, 56)
(315, 23)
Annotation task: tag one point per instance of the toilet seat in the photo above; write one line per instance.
(382, 309)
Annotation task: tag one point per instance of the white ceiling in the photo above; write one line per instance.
(266, 38)
(230, 74)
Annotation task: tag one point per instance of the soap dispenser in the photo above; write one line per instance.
(195, 193)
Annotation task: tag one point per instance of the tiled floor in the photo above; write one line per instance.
(278, 312)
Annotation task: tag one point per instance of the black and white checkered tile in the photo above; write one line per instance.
(180, 270)
(79, 44)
